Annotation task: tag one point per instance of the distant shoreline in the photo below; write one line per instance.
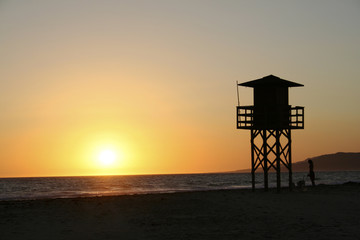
(285, 171)
(335, 162)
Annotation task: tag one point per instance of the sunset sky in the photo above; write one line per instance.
(154, 82)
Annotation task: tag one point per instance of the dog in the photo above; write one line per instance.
(301, 183)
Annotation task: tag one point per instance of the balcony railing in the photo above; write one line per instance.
(277, 118)
(296, 118)
(245, 117)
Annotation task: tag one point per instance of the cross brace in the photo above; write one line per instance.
(271, 149)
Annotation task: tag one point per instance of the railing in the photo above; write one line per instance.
(296, 119)
(278, 118)
(245, 117)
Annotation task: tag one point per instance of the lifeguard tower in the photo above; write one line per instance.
(270, 121)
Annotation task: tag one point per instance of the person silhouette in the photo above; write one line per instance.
(311, 172)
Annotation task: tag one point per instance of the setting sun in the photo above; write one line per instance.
(106, 153)
(107, 157)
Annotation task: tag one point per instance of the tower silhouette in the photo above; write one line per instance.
(270, 121)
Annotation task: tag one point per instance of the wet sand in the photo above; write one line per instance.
(323, 212)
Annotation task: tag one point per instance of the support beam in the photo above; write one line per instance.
(252, 159)
(289, 160)
(265, 160)
(278, 156)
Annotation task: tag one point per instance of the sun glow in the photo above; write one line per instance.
(105, 153)
(107, 157)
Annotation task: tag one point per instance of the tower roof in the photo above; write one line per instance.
(270, 80)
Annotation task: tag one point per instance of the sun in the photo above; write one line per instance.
(107, 157)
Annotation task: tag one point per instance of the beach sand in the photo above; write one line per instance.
(323, 212)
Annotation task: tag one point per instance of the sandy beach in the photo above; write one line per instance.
(323, 212)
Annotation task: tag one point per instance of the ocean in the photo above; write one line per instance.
(69, 187)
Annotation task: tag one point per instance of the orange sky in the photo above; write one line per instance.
(155, 82)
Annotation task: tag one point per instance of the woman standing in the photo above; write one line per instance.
(311, 172)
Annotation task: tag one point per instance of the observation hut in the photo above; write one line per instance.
(270, 121)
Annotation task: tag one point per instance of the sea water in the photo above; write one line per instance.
(68, 187)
